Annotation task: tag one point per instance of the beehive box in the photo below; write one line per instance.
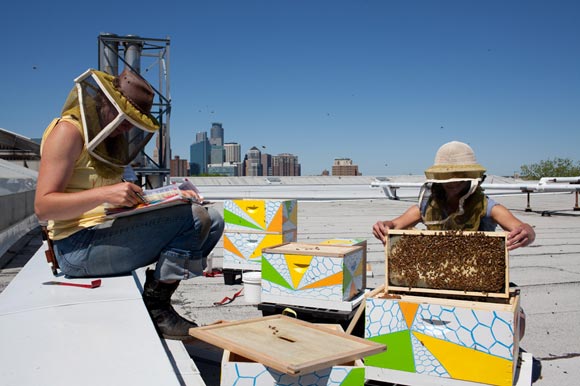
(236, 370)
(313, 275)
(251, 225)
(452, 263)
(356, 242)
(430, 338)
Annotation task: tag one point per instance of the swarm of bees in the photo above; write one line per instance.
(456, 261)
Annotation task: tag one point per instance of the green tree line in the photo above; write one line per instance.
(557, 167)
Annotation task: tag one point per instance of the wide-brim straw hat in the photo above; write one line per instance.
(133, 94)
(455, 160)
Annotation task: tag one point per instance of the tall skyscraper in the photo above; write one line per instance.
(254, 162)
(233, 152)
(199, 155)
(216, 134)
(217, 155)
(201, 136)
(266, 164)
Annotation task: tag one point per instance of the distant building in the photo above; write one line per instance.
(155, 155)
(155, 152)
(225, 169)
(199, 155)
(233, 152)
(201, 136)
(267, 164)
(344, 167)
(253, 162)
(160, 154)
(285, 164)
(179, 167)
(217, 154)
(216, 134)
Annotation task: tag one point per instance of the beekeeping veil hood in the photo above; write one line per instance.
(109, 107)
(454, 161)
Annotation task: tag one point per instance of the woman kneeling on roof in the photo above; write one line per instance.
(452, 199)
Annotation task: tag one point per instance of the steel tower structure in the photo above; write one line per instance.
(150, 58)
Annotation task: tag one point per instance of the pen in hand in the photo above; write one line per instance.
(139, 195)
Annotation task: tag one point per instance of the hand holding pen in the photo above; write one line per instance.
(137, 193)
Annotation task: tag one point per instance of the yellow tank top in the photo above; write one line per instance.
(84, 177)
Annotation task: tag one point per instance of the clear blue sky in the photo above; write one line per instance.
(384, 83)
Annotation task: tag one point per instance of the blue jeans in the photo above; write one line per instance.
(178, 238)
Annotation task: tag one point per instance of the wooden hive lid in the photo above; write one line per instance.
(286, 344)
(294, 248)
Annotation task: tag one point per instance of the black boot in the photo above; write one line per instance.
(157, 298)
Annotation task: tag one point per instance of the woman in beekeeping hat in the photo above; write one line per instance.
(452, 199)
(83, 155)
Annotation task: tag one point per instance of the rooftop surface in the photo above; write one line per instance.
(547, 272)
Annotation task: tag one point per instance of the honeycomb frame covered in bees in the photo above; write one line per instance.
(460, 263)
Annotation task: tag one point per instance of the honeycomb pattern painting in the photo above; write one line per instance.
(256, 374)
(244, 250)
(313, 277)
(252, 225)
(275, 216)
(443, 341)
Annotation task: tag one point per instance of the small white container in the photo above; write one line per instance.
(252, 286)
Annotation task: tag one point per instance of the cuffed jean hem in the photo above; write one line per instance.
(178, 264)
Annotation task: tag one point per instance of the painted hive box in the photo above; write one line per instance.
(273, 216)
(243, 251)
(251, 225)
(314, 275)
(237, 370)
(279, 350)
(433, 337)
(453, 263)
(356, 242)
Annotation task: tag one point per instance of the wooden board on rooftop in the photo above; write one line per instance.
(460, 263)
(288, 345)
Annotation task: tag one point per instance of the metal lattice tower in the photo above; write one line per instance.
(150, 58)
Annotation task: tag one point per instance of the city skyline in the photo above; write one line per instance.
(384, 83)
(226, 157)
